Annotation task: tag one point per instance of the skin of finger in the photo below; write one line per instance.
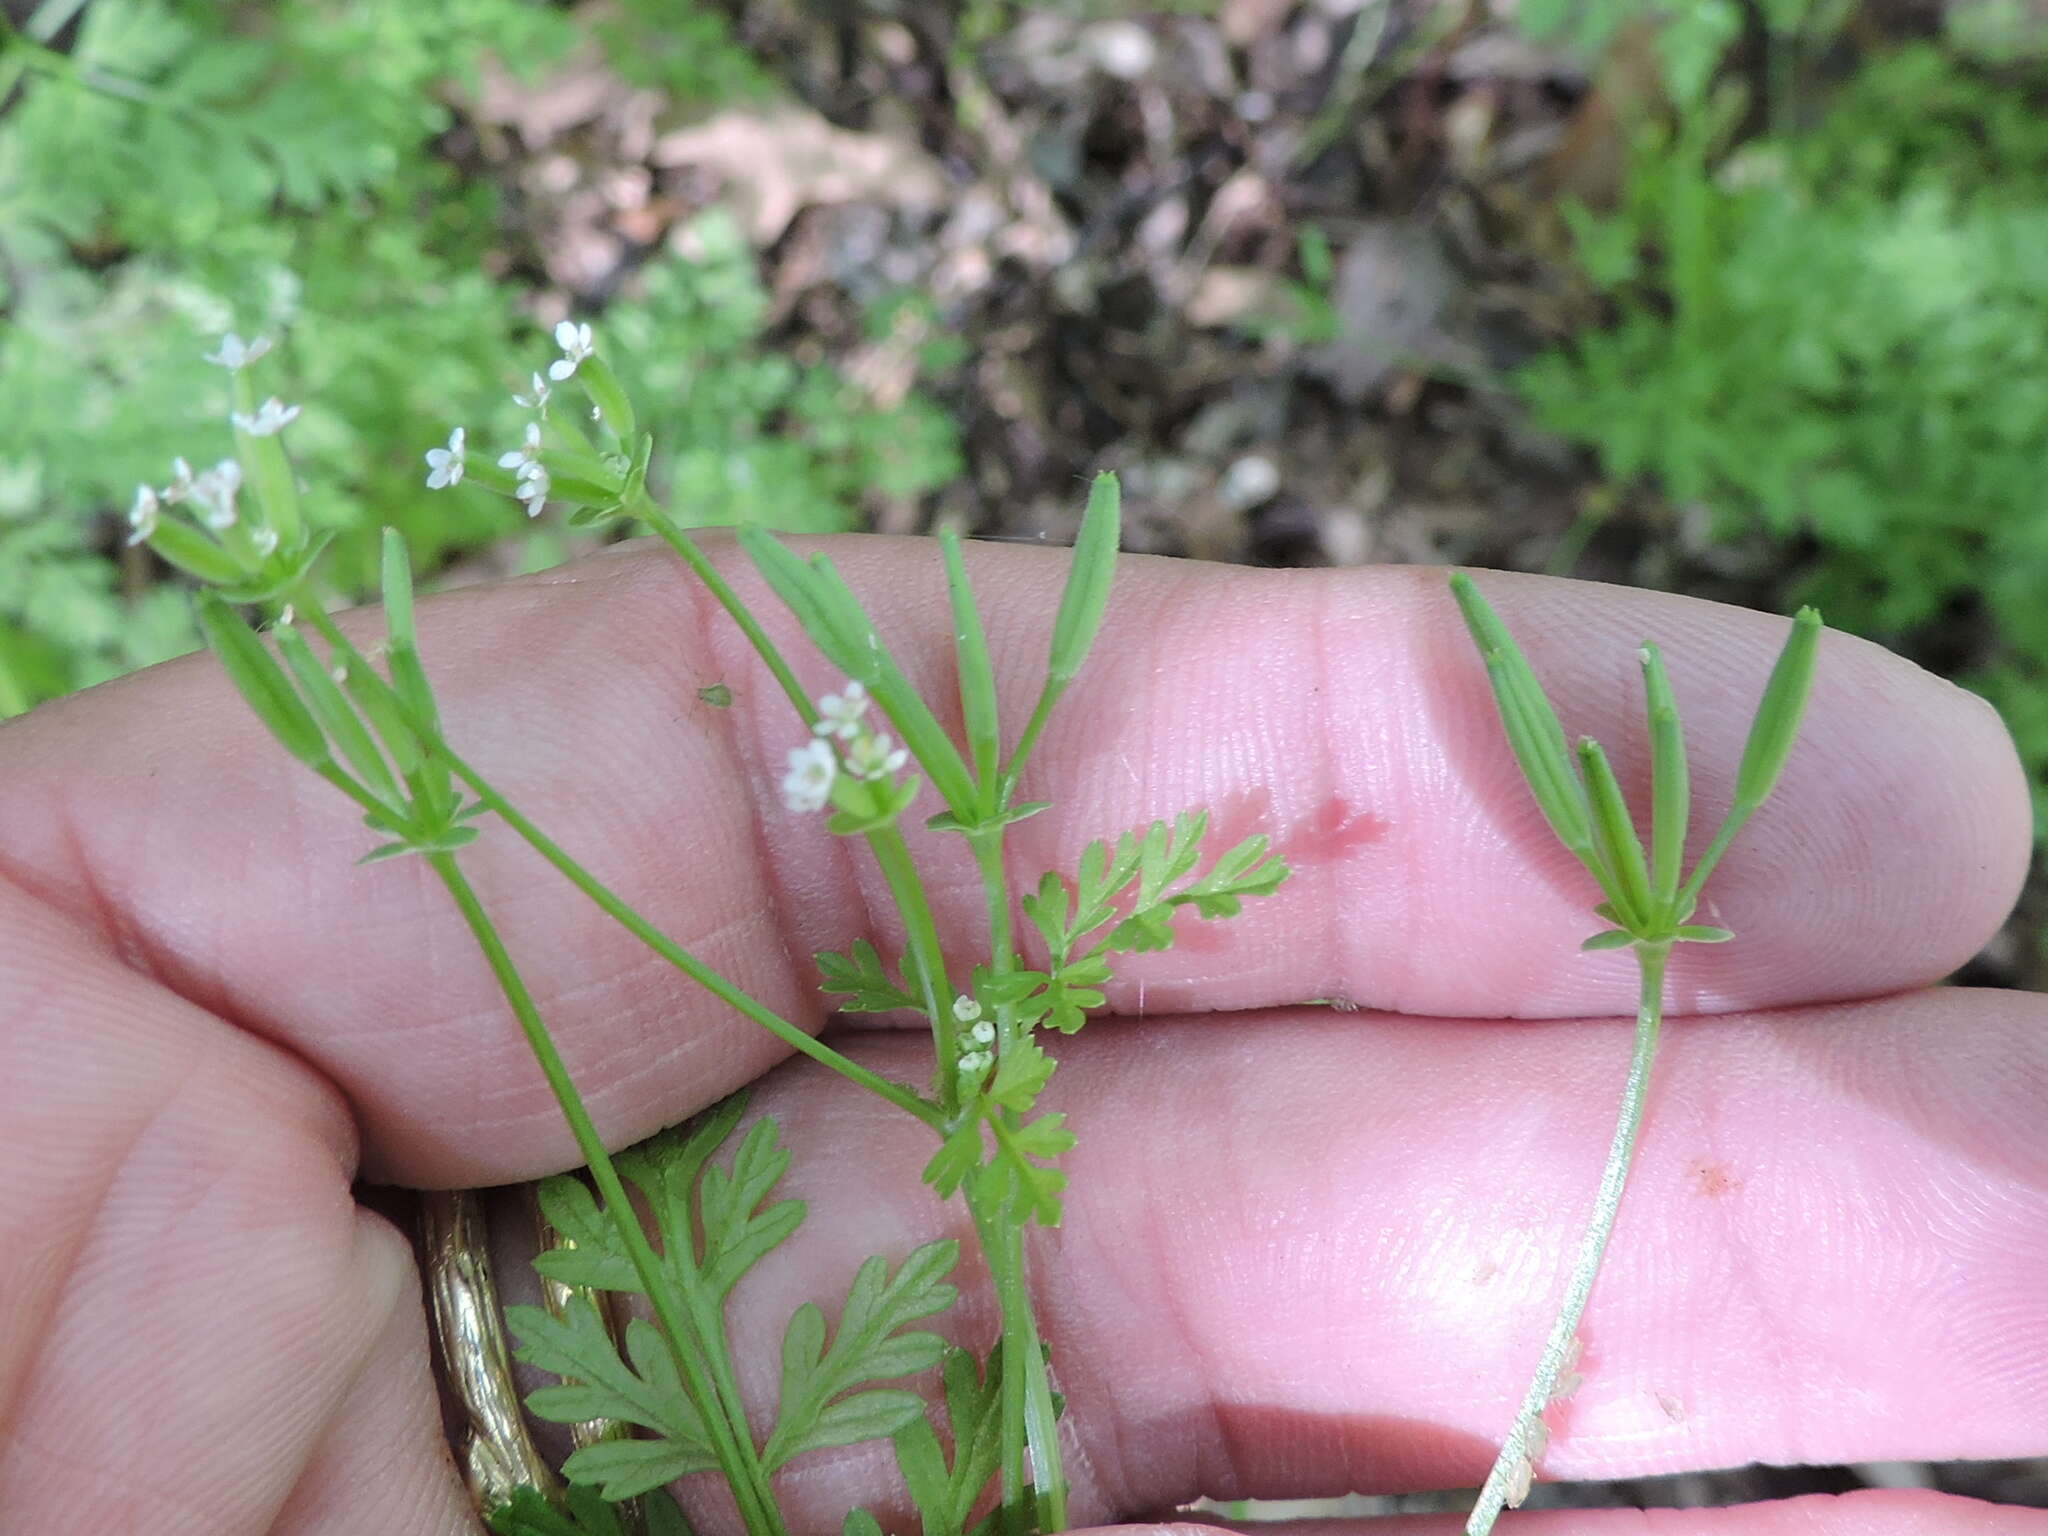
(1306, 1255)
(190, 1292)
(1870, 1512)
(1343, 713)
(382, 1463)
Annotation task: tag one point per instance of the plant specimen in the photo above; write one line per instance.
(866, 756)
(1649, 906)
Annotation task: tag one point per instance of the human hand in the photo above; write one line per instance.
(1304, 1251)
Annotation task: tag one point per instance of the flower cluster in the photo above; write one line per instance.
(235, 547)
(864, 753)
(444, 465)
(532, 481)
(528, 471)
(981, 1035)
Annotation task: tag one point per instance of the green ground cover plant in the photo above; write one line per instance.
(173, 169)
(1828, 334)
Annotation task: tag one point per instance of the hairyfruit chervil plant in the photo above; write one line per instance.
(670, 1380)
(1649, 909)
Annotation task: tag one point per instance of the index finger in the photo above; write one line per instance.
(1342, 712)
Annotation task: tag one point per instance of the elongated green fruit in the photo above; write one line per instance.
(1670, 783)
(1615, 834)
(255, 672)
(1534, 732)
(331, 709)
(195, 554)
(1771, 736)
(1776, 726)
(977, 674)
(1094, 571)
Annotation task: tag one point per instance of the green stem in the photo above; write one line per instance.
(1493, 1496)
(715, 583)
(1030, 1424)
(895, 1093)
(1034, 1484)
(1689, 893)
(987, 844)
(1006, 787)
(620, 912)
(927, 955)
(737, 1453)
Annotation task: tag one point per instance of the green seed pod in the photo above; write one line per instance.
(263, 683)
(195, 554)
(1088, 582)
(1776, 726)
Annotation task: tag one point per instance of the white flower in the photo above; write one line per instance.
(271, 417)
(235, 355)
(839, 714)
(974, 1063)
(535, 399)
(808, 784)
(444, 465)
(525, 455)
(181, 482)
(869, 757)
(214, 494)
(265, 540)
(966, 1009)
(533, 488)
(142, 516)
(983, 1033)
(576, 344)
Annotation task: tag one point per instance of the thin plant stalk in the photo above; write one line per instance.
(633, 922)
(1031, 1457)
(748, 1478)
(1508, 1480)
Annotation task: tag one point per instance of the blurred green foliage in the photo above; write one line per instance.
(1833, 335)
(173, 169)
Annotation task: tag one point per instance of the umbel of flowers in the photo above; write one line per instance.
(236, 525)
(557, 458)
(847, 763)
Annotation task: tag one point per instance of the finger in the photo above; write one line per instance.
(1321, 1255)
(382, 1462)
(1342, 712)
(193, 1302)
(1870, 1512)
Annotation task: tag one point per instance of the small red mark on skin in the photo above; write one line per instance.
(1332, 830)
(1714, 1180)
(1484, 1271)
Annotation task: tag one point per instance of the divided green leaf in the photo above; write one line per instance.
(826, 1397)
(946, 1490)
(862, 981)
(643, 1388)
(584, 1511)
